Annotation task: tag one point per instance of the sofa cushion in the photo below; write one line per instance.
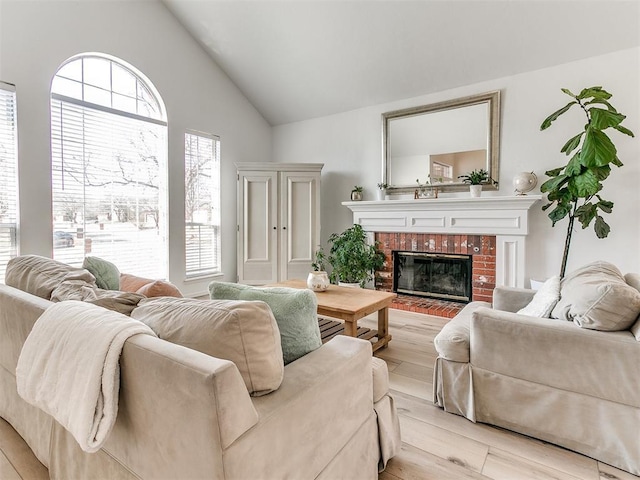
(633, 279)
(544, 299)
(106, 273)
(40, 275)
(295, 311)
(243, 332)
(121, 302)
(597, 297)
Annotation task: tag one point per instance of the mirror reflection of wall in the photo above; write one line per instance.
(447, 167)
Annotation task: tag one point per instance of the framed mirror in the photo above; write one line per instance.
(441, 141)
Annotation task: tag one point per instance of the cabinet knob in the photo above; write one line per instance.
(284, 228)
(274, 228)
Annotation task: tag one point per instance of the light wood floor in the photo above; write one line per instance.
(436, 445)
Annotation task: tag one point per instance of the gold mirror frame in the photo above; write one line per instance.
(492, 99)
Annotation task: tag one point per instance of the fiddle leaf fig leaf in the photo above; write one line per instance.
(554, 116)
(601, 227)
(571, 145)
(584, 185)
(553, 173)
(602, 119)
(568, 92)
(586, 213)
(554, 183)
(595, 92)
(601, 173)
(597, 148)
(616, 161)
(574, 167)
(605, 205)
(558, 213)
(624, 130)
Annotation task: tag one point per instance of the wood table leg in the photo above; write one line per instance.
(383, 328)
(351, 328)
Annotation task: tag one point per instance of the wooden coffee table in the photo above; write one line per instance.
(350, 305)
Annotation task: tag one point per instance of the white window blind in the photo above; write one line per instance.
(8, 176)
(109, 179)
(202, 204)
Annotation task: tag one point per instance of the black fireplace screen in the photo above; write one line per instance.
(435, 275)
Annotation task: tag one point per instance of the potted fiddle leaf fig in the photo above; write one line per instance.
(352, 259)
(573, 189)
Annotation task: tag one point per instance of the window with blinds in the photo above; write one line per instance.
(109, 172)
(8, 176)
(202, 204)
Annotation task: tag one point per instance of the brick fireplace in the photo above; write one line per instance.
(482, 249)
(492, 229)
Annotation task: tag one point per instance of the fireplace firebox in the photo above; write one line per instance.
(435, 275)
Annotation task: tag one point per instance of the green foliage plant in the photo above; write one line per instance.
(318, 263)
(358, 189)
(383, 186)
(352, 259)
(475, 177)
(573, 189)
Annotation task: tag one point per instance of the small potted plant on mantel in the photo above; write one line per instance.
(475, 178)
(356, 193)
(382, 190)
(353, 260)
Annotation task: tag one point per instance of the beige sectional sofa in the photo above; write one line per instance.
(184, 414)
(545, 377)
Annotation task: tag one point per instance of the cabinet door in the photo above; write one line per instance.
(257, 227)
(300, 222)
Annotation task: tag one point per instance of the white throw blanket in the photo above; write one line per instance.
(69, 367)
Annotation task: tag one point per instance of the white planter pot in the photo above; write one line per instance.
(382, 194)
(318, 281)
(475, 190)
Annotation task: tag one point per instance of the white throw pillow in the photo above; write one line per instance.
(544, 300)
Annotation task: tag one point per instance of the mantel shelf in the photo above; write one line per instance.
(495, 202)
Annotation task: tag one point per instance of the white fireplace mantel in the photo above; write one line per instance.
(504, 217)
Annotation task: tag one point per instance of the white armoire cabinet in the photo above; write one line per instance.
(278, 220)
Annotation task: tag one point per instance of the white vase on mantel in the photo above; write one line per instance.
(475, 190)
(382, 193)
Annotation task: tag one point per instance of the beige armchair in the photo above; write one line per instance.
(543, 377)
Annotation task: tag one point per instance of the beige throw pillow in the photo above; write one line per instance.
(41, 275)
(544, 299)
(597, 297)
(243, 332)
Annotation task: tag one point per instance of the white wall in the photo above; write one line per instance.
(349, 144)
(37, 36)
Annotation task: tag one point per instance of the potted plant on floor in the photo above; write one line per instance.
(573, 189)
(352, 259)
(475, 179)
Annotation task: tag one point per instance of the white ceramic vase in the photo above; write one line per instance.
(382, 193)
(318, 281)
(475, 190)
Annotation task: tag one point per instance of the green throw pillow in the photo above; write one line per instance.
(295, 311)
(106, 273)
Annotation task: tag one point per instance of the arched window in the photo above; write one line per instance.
(108, 166)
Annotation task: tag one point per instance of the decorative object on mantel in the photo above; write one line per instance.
(318, 279)
(427, 190)
(382, 190)
(475, 178)
(524, 182)
(356, 193)
(573, 189)
(352, 258)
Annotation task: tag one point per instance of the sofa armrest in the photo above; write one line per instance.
(511, 299)
(558, 354)
(179, 408)
(325, 398)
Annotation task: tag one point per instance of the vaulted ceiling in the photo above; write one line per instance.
(296, 60)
